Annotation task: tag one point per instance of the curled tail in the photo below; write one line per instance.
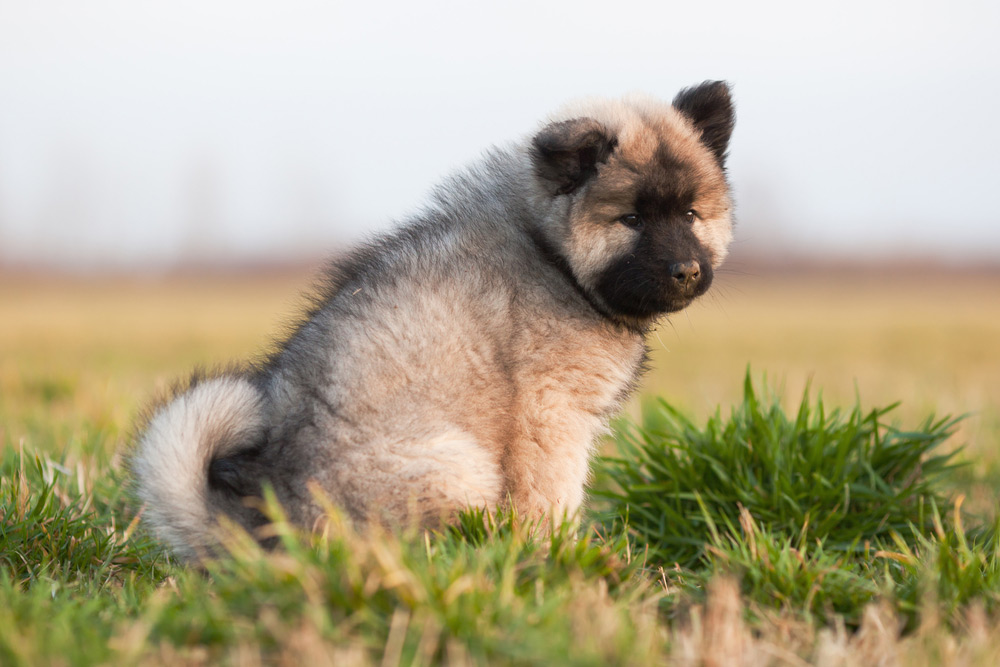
(214, 419)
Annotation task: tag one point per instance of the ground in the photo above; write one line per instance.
(81, 355)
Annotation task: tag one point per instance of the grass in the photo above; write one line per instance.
(762, 532)
(77, 586)
(845, 479)
(816, 513)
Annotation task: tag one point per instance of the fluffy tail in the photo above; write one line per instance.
(213, 419)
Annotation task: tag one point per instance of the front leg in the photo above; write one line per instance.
(546, 468)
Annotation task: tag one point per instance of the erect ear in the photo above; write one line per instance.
(710, 108)
(567, 153)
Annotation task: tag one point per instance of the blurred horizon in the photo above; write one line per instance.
(165, 135)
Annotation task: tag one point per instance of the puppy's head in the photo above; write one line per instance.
(640, 206)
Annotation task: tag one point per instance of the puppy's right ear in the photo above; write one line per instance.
(567, 153)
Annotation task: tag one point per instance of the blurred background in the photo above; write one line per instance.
(162, 133)
(171, 172)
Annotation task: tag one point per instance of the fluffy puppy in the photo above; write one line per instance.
(472, 357)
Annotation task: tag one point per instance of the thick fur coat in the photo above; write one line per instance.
(472, 357)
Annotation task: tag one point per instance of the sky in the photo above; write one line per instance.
(155, 133)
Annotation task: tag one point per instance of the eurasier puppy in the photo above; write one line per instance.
(472, 357)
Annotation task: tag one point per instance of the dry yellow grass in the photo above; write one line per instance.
(98, 348)
(75, 349)
(716, 635)
(932, 341)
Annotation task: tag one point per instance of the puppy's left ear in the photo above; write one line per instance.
(710, 108)
(566, 154)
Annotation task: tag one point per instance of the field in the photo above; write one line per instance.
(79, 357)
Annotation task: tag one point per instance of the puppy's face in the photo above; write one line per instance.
(643, 207)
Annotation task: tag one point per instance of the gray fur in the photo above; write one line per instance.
(470, 358)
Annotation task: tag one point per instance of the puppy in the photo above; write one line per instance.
(473, 356)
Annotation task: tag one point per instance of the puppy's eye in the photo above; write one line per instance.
(691, 215)
(632, 221)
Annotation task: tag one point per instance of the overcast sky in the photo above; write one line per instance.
(146, 133)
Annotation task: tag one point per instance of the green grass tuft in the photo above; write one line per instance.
(62, 520)
(844, 479)
(819, 512)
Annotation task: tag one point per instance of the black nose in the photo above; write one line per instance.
(685, 274)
